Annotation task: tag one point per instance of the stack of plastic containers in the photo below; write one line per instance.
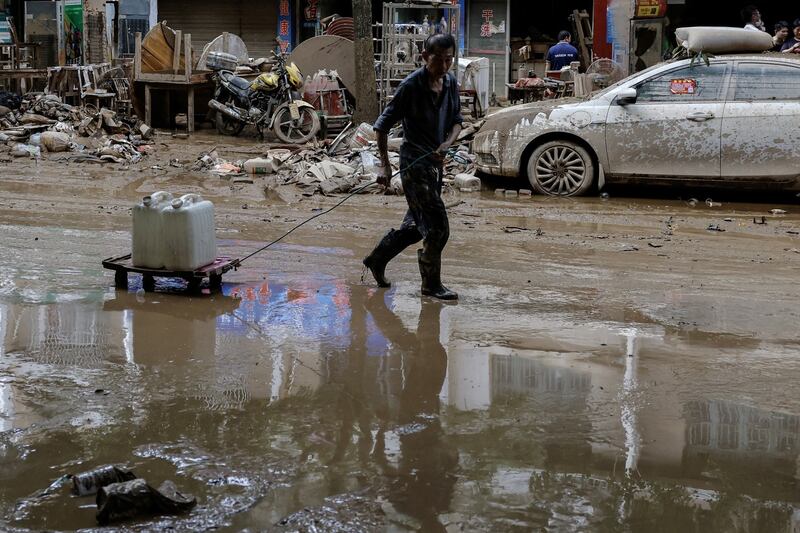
(177, 234)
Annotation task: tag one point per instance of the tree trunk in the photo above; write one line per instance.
(366, 90)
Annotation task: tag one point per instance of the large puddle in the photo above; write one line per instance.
(310, 400)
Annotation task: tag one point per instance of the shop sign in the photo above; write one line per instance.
(488, 28)
(651, 8)
(285, 27)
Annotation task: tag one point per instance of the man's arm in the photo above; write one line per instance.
(390, 116)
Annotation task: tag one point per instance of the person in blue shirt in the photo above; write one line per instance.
(562, 54)
(428, 104)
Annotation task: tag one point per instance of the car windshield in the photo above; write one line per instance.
(600, 93)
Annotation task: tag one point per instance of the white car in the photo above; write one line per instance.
(735, 121)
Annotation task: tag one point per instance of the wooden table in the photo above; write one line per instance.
(19, 77)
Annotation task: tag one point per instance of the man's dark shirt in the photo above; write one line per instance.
(561, 55)
(789, 43)
(427, 119)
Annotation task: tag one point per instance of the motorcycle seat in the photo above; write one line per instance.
(235, 81)
(239, 83)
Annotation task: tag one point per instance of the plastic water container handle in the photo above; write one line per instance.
(186, 199)
(158, 197)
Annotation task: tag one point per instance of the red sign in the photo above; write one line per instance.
(651, 8)
(683, 86)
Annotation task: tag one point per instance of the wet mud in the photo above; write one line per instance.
(612, 365)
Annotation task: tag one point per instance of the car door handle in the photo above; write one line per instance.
(700, 117)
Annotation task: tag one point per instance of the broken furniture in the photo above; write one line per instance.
(17, 59)
(164, 62)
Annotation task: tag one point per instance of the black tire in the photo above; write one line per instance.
(227, 125)
(561, 168)
(297, 131)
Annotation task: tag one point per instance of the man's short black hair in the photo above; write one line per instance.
(747, 13)
(796, 23)
(564, 34)
(439, 42)
(780, 25)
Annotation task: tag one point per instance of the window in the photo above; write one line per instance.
(697, 83)
(761, 81)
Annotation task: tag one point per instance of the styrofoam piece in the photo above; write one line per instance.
(189, 233)
(468, 181)
(148, 230)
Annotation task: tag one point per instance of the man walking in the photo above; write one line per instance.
(562, 54)
(429, 107)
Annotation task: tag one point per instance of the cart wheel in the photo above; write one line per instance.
(148, 283)
(193, 285)
(215, 283)
(121, 279)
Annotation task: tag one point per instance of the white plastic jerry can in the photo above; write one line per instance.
(148, 230)
(189, 233)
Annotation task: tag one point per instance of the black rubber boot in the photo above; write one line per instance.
(390, 246)
(430, 268)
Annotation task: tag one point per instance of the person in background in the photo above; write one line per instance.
(792, 46)
(563, 53)
(780, 36)
(751, 17)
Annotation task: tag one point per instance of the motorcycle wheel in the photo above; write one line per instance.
(297, 131)
(227, 125)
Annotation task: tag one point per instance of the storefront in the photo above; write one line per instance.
(255, 21)
(639, 33)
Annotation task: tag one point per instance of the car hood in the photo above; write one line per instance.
(505, 120)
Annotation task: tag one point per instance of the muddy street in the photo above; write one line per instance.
(613, 364)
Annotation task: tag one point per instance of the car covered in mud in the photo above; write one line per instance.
(732, 121)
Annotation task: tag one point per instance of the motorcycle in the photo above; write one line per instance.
(269, 103)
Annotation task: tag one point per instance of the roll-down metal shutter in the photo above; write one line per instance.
(252, 20)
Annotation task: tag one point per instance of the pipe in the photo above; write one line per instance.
(232, 112)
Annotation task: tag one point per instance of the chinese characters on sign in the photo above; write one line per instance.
(683, 86)
(651, 8)
(488, 28)
(285, 29)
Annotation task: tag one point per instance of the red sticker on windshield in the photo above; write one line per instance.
(683, 86)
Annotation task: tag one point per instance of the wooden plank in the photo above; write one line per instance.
(176, 52)
(148, 107)
(187, 60)
(190, 109)
(137, 61)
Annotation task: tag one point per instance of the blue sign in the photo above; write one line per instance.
(285, 25)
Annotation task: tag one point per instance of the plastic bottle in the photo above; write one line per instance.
(260, 165)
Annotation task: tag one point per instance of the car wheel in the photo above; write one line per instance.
(561, 168)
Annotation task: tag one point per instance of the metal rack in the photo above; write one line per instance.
(406, 40)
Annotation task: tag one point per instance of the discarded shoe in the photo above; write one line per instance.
(90, 482)
(121, 501)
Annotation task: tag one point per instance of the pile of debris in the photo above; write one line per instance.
(44, 123)
(349, 163)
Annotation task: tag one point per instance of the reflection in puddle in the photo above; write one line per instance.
(321, 387)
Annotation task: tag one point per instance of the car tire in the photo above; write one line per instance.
(561, 168)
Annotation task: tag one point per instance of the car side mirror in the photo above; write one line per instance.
(627, 96)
